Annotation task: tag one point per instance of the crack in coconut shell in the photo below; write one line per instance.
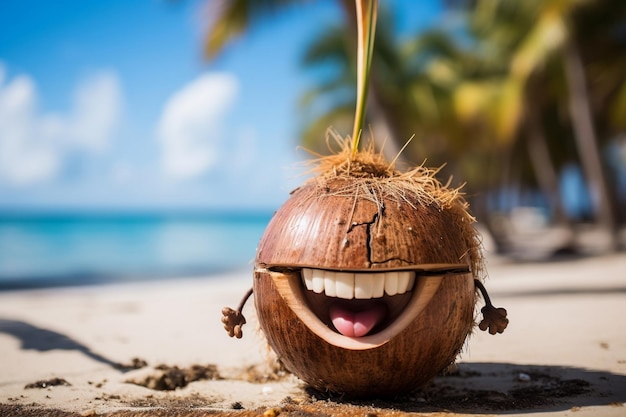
(358, 234)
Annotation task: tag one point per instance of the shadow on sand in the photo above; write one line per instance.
(43, 340)
(503, 388)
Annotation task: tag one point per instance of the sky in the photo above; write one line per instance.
(110, 105)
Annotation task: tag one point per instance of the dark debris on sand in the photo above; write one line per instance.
(167, 378)
(46, 383)
(542, 390)
(135, 363)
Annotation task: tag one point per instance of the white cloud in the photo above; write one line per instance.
(33, 146)
(97, 110)
(191, 125)
(25, 156)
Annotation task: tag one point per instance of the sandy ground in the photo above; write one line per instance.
(564, 353)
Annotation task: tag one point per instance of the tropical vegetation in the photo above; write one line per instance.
(510, 99)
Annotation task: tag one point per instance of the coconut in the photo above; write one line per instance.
(364, 278)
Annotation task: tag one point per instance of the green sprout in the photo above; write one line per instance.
(366, 11)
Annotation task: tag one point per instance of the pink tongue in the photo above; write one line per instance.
(356, 323)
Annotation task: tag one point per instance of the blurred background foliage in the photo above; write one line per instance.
(516, 98)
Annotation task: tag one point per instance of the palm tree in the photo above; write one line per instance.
(230, 19)
(491, 94)
(601, 46)
(537, 34)
(434, 87)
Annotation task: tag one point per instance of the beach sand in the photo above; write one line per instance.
(563, 354)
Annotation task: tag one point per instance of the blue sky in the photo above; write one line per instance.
(108, 104)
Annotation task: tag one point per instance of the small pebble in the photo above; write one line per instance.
(522, 377)
(267, 390)
(272, 412)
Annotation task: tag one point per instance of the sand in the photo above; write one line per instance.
(564, 353)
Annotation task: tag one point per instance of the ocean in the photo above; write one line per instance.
(44, 250)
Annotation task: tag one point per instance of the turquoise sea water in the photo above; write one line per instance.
(70, 249)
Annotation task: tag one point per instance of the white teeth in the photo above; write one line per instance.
(379, 287)
(349, 285)
(391, 283)
(330, 288)
(404, 281)
(344, 285)
(307, 275)
(364, 286)
(318, 281)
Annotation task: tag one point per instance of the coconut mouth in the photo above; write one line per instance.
(359, 309)
(356, 304)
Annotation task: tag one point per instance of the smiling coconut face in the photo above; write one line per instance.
(364, 278)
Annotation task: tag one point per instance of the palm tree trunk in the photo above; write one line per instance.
(586, 141)
(543, 167)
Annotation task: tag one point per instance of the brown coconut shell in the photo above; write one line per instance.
(374, 219)
(323, 227)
